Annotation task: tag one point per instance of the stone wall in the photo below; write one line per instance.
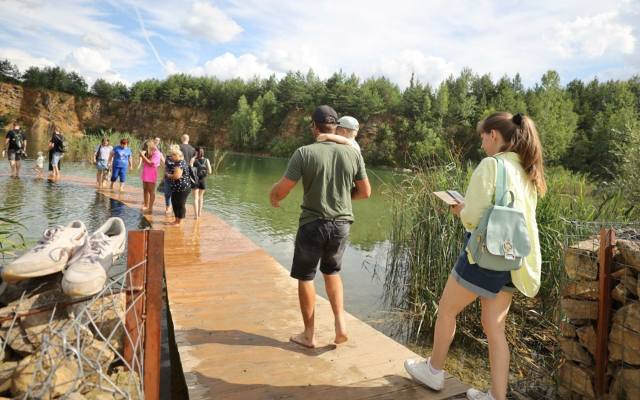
(579, 305)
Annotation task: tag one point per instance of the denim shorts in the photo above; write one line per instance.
(320, 240)
(101, 165)
(481, 281)
(55, 159)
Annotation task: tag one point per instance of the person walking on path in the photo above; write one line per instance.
(56, 149)
(203, 169)
(15, 146)
(120, 161)
(151, 159)
(329, 172)
(179, 182)
(187, 150)
(102, 153)
(515, 140)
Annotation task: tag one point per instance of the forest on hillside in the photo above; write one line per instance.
(588, 127)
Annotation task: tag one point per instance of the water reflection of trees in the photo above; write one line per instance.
(241, 194)
(14, 191)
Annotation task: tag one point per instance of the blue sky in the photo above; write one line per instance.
(129, 40)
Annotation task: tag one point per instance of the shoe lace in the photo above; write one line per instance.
(95, 247)
(47, 237)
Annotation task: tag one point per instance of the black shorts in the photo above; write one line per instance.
(481, 281)
(320, 240)
(14, 155)
(202, 184)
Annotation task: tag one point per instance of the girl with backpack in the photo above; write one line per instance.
(514, 152)
(203, 168)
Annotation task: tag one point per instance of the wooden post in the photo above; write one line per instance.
(153, 300)
(605, 259)
(137, 251)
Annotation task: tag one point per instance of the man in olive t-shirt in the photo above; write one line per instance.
(332, 175)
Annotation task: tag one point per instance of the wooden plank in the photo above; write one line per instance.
(136, 255)
(234, 308)
(153, 305)
(605, 259)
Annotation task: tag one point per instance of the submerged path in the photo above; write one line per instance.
(234, 308)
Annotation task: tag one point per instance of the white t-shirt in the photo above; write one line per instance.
(40, 162)
(104, 152)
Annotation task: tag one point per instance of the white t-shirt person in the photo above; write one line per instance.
(104, 152)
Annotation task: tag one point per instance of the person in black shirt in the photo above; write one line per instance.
(56, 152)
(16, 148)
(187, 150)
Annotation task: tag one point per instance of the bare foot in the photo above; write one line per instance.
(341, 339)
(341, 331)
(301, 339)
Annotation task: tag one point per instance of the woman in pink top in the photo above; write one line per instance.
(151, 158)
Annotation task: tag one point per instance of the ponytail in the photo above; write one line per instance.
(521, 137)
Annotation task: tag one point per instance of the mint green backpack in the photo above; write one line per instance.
(501, 239)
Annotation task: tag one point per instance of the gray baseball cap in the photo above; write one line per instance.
(348, 122)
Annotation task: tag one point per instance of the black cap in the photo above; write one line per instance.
(325, 115)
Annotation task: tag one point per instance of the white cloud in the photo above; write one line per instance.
(427, 69)
(89, 61)
(171, 68)
(211, 23)
(96, 40)
(594, 36)
(24, 60)
(228, 66)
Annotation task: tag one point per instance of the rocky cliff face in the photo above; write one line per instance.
(38, 110)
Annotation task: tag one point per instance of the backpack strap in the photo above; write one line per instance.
(500, 182)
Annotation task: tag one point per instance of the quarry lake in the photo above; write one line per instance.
(239, 195)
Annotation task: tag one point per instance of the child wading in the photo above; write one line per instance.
(203, 169)
(513, 139)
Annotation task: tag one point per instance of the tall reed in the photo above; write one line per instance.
(426, 240)
(11, 238)
(83, 148)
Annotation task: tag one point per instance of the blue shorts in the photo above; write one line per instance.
(119, 172)
(481, 281)
(55, 159)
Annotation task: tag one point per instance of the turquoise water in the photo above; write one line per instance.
(239, 195)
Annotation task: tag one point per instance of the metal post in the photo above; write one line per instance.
(134, 322)
(605, 259)
(153, 300)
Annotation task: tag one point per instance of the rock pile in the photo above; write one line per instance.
(48, 351)
(579, 305)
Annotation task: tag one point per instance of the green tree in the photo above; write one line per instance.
(9, 72)
(552, 110)
(245, 124)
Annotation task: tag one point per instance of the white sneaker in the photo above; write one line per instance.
(87, 271)
(420, 371)
(475, 394)
(50, 255)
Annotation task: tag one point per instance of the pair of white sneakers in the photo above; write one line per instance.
(87, 258)
(421, 371)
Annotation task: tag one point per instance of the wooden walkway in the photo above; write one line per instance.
(234, 307)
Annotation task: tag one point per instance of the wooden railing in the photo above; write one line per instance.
(145, 262)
